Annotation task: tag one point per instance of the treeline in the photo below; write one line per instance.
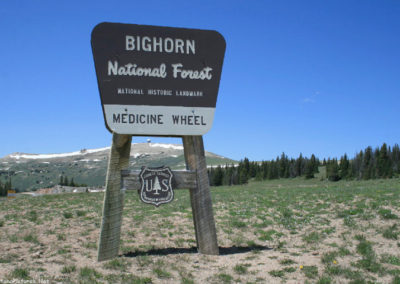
(65, 181)
(383, 162)
(4, 187)
(282, 167)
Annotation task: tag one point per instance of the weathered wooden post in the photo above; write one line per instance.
(157, 81)
(200, 196)
(113, 205)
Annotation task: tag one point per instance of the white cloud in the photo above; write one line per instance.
(312, 98)
(308, 100)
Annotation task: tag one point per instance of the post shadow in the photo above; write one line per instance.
(194, 250)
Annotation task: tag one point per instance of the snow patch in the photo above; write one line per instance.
(137, 155)
(167, 146)
(62, 155)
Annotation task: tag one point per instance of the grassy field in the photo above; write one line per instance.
(281, 231)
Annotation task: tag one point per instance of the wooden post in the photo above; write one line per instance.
(200, 196)
(114, 198)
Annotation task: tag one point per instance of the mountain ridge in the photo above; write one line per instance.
(88, 166)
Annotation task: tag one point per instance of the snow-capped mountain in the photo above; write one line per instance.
(88, 166)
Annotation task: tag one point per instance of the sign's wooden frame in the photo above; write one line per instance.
(118, 180)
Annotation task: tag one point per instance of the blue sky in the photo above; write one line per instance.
(316, 77)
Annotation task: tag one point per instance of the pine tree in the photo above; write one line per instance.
(211, 176)
(396, 159)
(367, 164)
(332, 170)
(72, 182)
(309, 173)
(357, 165)
(344, 168)
(3, 191)
(253, 168)
(246, 166)
(383, 163)
(243, 177)
(299, 165)
(61, 180)
(235, 175)
(218, 176)
(66, 181)
(259, 175)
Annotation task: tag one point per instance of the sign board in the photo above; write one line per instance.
(157, 80)
(156, 185)
(11, 194)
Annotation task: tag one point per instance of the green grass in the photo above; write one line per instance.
(310, 271)
(289, 218)
(390, 259)
(266, 235)
(287, 262)
(387, 214)
(369, 261)
(391, 232)
(116, 264)
(325, 279)
(80, 213)
(224, 278)
(68, 215)
(32, 216)
(348, 273)
(161, 273)
(240, 269)
(281, 273)
(32, 238)
(277, 273)
(20, 273)
(61, 237)
(313, 237)
(88, 274)
(68, 269)
(329, 257)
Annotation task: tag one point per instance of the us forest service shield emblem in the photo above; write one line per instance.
(156, 185)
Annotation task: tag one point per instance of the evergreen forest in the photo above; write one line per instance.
(381, 162)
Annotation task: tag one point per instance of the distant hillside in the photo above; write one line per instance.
(88, 166)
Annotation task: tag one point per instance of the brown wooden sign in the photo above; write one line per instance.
(156, 185)
(157, 80)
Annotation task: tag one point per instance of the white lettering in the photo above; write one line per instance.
(112, 68)
(146, 44)
(138, 43)
(157, 44)
(191, 74)
(169, 48)
(190, 45)
(179, 45)
(133, 70)
(176, 70)
(130, 42)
